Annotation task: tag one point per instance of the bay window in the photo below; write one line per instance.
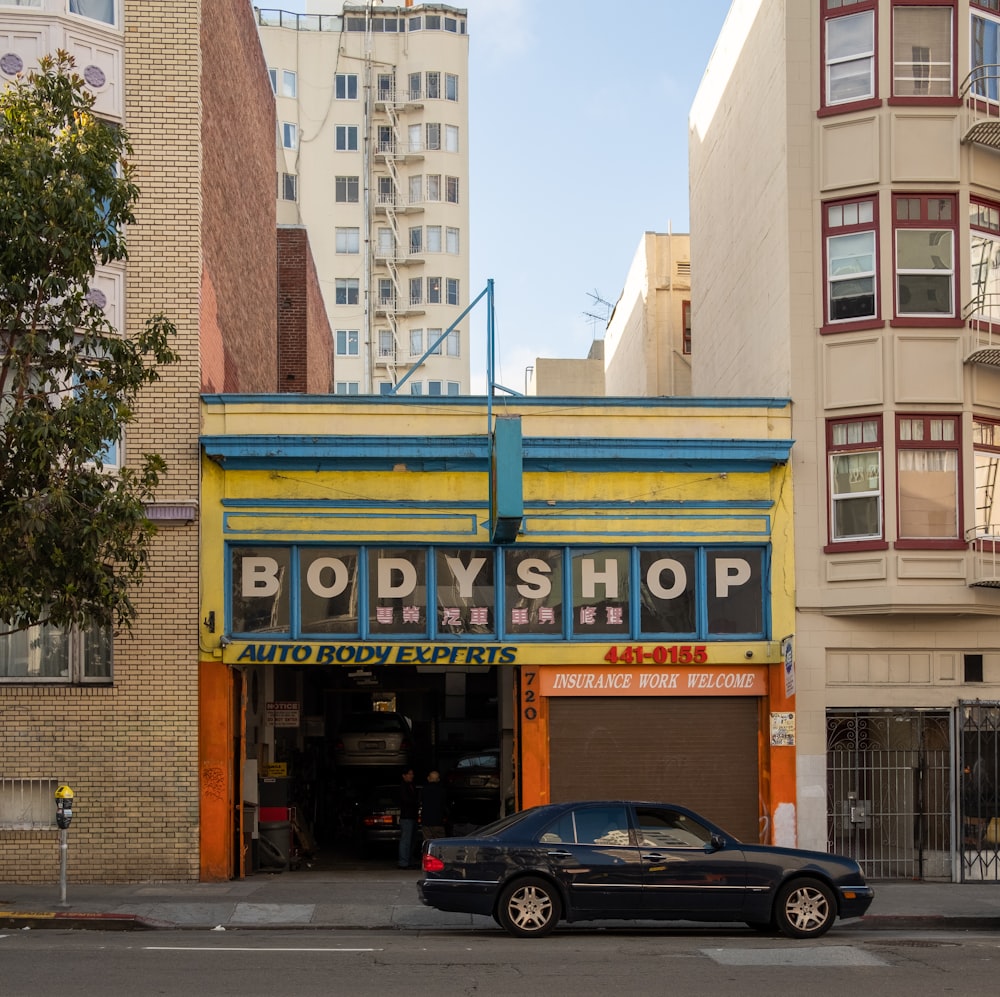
(984, 262)
(927, 469)
(922, 48)
(925, 241)
(985, 55)
(986, 454)
(854, 447)
(851, 246)
(849, 51)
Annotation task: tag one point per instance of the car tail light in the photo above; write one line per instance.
(405, 745)
(381, 820)
(432, 863)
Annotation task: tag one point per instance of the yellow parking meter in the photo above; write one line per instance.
(64, 806)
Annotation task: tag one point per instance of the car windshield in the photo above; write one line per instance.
(486, 761)
(373, 723)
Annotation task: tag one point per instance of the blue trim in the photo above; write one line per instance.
(510, 404)
(471, 453)
(636, 509)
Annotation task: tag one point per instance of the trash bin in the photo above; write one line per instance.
(275, 844)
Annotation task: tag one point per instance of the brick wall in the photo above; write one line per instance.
(238, 187)
(305, 343)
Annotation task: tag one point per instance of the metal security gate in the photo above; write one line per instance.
(979, 754)
(889, 791)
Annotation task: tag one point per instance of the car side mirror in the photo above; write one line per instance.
(715, 844)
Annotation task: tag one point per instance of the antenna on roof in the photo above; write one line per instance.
(595, 317)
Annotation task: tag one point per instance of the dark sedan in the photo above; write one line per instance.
(656, 861)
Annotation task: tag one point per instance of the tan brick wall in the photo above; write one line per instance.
(130, 750)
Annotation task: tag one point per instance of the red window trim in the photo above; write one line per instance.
(871, 543)
(953, 321)
(933, 543)
(829, 14)
(876, 321)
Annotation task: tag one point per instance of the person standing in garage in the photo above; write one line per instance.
(408, 810)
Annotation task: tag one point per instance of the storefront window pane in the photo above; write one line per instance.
(533, 583)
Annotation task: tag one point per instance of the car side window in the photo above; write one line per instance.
(589, 826)
(660, 827)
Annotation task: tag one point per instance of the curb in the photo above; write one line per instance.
(94, 922)
(930, 922)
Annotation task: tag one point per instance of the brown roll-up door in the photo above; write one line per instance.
(700, 753)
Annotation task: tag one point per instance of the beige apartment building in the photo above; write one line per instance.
(852, 266)
(373, 159)
(117, 719)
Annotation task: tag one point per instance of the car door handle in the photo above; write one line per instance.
(655, 857)
(559, 855)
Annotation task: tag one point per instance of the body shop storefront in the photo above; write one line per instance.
(634, 638)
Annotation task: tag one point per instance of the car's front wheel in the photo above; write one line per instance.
(805, 908)
(529, 908)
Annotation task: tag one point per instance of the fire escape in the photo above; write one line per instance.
(392, 251)
(980, 95)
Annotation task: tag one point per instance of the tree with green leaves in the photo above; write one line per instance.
(73, 530)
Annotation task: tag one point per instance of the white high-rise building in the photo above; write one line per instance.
(372, 114)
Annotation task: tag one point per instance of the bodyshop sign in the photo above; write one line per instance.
(439, 593)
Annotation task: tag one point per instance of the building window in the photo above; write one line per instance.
(416, 388)
(346, 387)
(272, 75)
(289, 84)
(416, 342)
(434, 342)
(385, 245)
(433, 186)
(51, 654)
(416, 185)
(451, 138)
(433, 290)
(415, 138)
(454, 388)
(451, 290)
(385, 86)
(434, 387)
(854, 447)
(386, 344)
(347, 342)
(849, 40)
(986, 453)
(433, 238)
(416, 90)
(686, 321)
(927, 460)
(348, 240)
(289, 135)
(385, 387)
(416, 239)
(925, 236)
(454, 343)
(450, 86)
(986, 51)
(451, 240)
(451, 190)
(432, 22)
(289, 187)
(386, 294)
(850, 241)
(984, 263)
(347, 138)
(433, 135)
(922, 41)
(416, 291)
(346, 190)
(433, 83)
(346, 291)
(96, 10)
(346, 86)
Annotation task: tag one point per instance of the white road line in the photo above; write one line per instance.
(248, 948)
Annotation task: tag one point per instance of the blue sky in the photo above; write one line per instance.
(578, 115)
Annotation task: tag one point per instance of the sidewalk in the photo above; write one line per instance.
(375, 897)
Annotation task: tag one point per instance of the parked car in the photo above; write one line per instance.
(621, 859)
(374, 738)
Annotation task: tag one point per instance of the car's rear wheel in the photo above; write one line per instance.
(805, 908)
(529, 908)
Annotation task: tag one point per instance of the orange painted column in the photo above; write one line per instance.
(215, 768)
(781, 798)
(533, 726)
